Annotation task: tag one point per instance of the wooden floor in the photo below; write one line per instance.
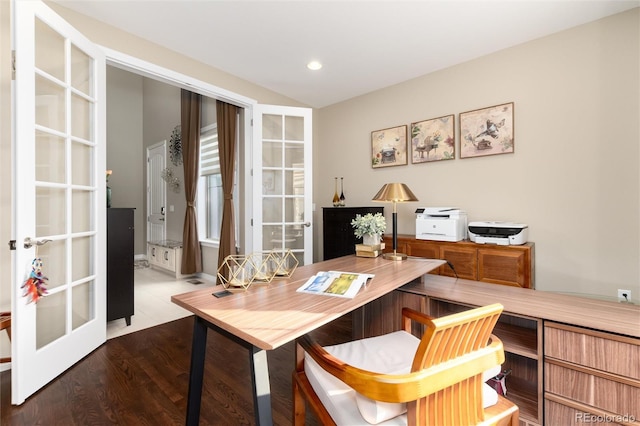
(141, 379)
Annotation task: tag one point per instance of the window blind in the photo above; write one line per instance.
(209, 156)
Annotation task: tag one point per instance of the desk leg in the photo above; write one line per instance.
(196, 373)
(261, 389)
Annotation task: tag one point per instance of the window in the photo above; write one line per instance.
(210, 198)
(210, 186)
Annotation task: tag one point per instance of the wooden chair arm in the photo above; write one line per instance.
(409, 315)
(406, 387)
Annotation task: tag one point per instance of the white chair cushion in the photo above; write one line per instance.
(390, 354)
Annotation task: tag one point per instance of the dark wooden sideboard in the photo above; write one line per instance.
(506, 265)
(120, 239)
(337, 232)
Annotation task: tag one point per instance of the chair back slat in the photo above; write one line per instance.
(445, 339)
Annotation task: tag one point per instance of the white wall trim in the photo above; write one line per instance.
(147, 69)
(156, 72)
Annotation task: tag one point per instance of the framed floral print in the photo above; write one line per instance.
(389, 147)
(487, 131)
(433, 140)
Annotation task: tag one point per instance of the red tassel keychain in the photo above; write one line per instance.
(34, 286)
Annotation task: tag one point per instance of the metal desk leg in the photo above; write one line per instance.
(196, 373)
(261, 389)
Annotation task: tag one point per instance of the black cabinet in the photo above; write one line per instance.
(338, 237)
(120, 234)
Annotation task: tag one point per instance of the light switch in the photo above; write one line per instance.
(171, 208)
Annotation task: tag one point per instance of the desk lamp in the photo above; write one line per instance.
(395, 193)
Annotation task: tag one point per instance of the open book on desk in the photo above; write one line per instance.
(335, 283)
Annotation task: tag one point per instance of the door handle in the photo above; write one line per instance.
(28, 242)
(162, 210)
(307, 224)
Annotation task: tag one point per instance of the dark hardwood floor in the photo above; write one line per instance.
(141, 379)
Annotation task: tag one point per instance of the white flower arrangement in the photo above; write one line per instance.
(369, 224)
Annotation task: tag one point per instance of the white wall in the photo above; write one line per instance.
(124, 147)
(161, 115)
(573, 177)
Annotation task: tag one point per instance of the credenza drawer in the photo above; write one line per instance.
(556, 413)
(603, 351)
(611, 394)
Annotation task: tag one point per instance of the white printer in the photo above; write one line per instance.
(441, 224)
(501, 233)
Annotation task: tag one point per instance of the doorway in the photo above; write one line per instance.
(156, 192)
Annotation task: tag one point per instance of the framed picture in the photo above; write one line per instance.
(389, 147)
(433, 140)
(486, 131)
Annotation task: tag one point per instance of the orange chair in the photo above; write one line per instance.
(5, 324)
(436, 380)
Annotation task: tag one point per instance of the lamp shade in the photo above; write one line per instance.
(395, 192)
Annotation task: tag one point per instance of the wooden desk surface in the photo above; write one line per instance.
(268, 316)
(614, 317)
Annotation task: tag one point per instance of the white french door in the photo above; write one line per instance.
(59, 196)
(156, 192)
(282, 180)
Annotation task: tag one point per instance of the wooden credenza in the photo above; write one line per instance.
(506, 265)
(590, 376)
(573, 360)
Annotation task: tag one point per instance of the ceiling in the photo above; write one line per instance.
(363, 45)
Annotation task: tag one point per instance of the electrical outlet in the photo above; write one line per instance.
(624, 295)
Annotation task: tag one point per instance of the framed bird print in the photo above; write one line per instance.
(487, 131)
(389, 147)
(433, 140)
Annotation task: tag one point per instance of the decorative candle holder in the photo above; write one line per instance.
(266, 265)
(236, 272)
(286, 263)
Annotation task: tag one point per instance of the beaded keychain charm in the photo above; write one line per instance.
(34, 286)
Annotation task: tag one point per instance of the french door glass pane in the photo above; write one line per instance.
(50, 319)
(272, 210)
(294, 154)
(272, 127)
(80, 214)
(49, 47)
(272, 154)
(50, 104)
(81, 159)
(54, 262)
(50, 158)
(294, 237)
(80, 117)
(81, 252)
(50, 211)
(294, 128)
(81, 304)
(81, 69)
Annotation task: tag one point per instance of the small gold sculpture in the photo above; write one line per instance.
(238, 272)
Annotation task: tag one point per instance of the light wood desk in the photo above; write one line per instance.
(266, 317)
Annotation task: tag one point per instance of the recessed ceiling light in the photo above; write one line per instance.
(314, 65)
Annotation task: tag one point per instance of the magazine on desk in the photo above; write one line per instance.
(335, 283)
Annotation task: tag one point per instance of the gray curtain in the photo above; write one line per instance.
(190, 123)
(227, 119)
